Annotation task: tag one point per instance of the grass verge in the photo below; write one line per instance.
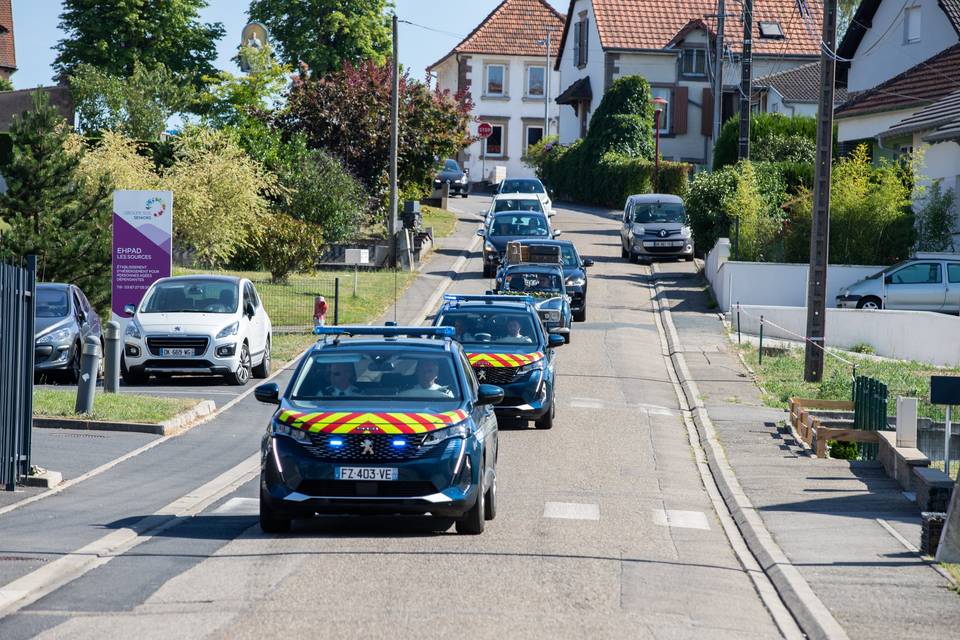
(442, 221)
(109, 407)
(954, 570)
(782, 377)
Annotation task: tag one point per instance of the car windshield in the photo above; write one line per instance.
(345, 374)
(451, 165)
(889, 269)
(192, 295)
(52, 303)
(519, 225)
(533, 282)
(644, 212)
(517, 204)
(491, 329)
(522, 186)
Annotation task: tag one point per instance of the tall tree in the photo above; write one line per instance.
(51, 209)
(325, 34)
(111, 34)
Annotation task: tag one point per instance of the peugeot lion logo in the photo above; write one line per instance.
(481, 375)
(367, 449)
(178, 329)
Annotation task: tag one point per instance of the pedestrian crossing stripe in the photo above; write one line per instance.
(346, 422)
(499, 360)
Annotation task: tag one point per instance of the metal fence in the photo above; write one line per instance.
(291, 306)
(17, 288)
(930, 442)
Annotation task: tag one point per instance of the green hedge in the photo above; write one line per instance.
(773, 136)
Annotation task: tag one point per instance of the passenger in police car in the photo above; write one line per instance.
(342, 376)
(513, 333)
(427, 385)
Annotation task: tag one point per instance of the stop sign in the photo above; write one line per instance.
(485, 130)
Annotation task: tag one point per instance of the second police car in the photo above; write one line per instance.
(391, 421)
(507, 345)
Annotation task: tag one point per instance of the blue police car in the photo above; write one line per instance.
(544, 283)
(507, 345)
(391, 420)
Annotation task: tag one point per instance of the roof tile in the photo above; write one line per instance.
(800, 84)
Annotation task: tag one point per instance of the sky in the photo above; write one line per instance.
(35, 32)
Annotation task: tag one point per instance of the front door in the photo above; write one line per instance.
(952, 303)
(918, 286)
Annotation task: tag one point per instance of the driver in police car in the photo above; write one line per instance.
(427, 385)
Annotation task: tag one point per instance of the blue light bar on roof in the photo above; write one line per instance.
(437, 332)
(454, 297)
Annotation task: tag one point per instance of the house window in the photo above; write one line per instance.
(496, 80)
(666, 94)
(532, 135)
(581, 42)
(494, 144)
(536, 81)
(911, 25)
(584, 113)
(693, 63)
(771, 31)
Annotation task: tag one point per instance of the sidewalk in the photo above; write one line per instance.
(828, 516)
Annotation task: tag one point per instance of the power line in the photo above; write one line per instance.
(441, 31)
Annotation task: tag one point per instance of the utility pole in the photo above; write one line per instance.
(746, 80)
(718, 77)
(394, 140)
(546, 96)
(820, 232)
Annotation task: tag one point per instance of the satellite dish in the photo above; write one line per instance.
(254, 35)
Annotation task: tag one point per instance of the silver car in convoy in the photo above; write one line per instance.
(925, 282)
(655, 226)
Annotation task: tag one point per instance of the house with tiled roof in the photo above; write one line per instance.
(8, 54)
(794, 92)
(672, 44)
(502, 63)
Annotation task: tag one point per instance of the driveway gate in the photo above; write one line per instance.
(17, 288)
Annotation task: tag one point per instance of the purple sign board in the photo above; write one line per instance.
(142, 238)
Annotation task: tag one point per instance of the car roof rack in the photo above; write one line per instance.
(390, 331)
(489, 298)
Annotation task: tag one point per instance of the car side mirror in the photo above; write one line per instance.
(466, 171)
(268, 393)
(555, 340)
(888, 280)
(129, 310)
(249, 310)
(557, 232)
(587, 262)
(481, 232)
(489, 394)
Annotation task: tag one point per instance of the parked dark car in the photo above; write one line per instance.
(457, 178)
(64, 320)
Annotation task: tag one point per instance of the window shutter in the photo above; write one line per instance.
(679, 115)
(576, 44)
(585, 34)
(706, 113)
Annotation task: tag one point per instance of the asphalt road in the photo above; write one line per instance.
(604, 526)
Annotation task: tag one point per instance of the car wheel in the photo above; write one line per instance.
(870, 302)
(262, 370)
(688, 258)
(74, 371)
(472, 522)
(491, 500)
(581, 315)
(567, 337)
(270, 521)
(624, 253)
(133, 378)
(241, 376)
(465, 194)
(487, 271)
(546, 421)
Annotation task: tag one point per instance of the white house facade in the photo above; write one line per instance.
(503, 65)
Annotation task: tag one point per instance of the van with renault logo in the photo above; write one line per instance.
(655, 225)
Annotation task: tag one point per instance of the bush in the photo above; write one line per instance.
(286, 245)
(935, 220)
(623, 122)
(773, 137)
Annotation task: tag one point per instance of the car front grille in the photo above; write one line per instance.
(366, 489)
(383, 449)
(677, 249)
(496, 375)
(655, 233)
(199, 345)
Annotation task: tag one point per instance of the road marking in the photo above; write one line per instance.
(586, 403)
(653, 409)
(681, 519)
(238, 507)
(54, 575)
(571, 511)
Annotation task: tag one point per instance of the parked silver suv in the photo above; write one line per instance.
(655, 226)
(925, 282)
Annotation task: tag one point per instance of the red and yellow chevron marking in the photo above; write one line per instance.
(342, 422)
(504, 359)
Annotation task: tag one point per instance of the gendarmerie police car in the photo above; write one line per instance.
(392, 420)
(507, 345)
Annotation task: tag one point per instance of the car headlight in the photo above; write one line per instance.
(577, 281)
(638, 230)
(488, 247)
(280, 429)
(463, 178)
(550, 315)
(529, 368)
(134, 330)
(229, 330)
(686, 232)
(442, 435)
(57, 337)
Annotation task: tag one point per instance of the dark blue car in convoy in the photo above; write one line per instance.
(390, 421)
(507, 345)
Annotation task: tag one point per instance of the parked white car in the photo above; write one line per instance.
(925, 282)
(527, 185)
(511, 202)
(198, 325)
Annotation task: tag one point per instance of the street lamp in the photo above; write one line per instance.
(659, 104)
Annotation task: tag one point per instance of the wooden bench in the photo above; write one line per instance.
(810, 430)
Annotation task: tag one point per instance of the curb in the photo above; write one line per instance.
(811, 614)
(174, 425)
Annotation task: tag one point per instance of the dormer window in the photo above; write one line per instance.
(911, 25)
(693, 63)
(771, 31)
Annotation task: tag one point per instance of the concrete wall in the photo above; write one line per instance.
(870, 125)
(883, 53)
(776, 104)
(771, 283)
(906, 335)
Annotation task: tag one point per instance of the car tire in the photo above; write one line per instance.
(472, 522)
(73, 371)
(133, 378)
(688, 258)
(546, 420)
(491, 499)
(270, 521)
(241, 376)
(870, 302)
(464, 195)
(624, 253)
(262, 370)
(487, 271)
(581, 315)
(567, 337)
